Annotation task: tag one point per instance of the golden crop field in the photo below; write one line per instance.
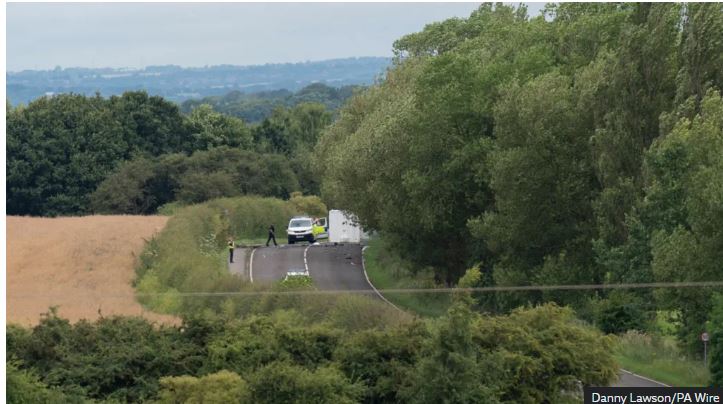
(83, 265)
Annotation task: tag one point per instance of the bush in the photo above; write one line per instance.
(118, 358)
(383, 360)
(310, 205)
(221, 387)
(622, 311)
(546, 352)
(533, 355)
(261, 340)
(285, 383)
(25, 387)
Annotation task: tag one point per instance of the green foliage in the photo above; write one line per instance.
(285, 383)
(117, 358)
(582, 148)
(544, 352)
(142, 185)
(216, 388)
(189, 254)
(452, 368)
(310, 205)
(387, 270)
(683, 213)
(291, 356)
(255, 107)
(72, 154)
(211, 129)
(60, 148)
(661, 359)
(260, 340)
(25, 387)
(542, 219)
(127, 190)
(716, 335)
(622, 311)
(297, 282)
(702, 51)
(383, 360)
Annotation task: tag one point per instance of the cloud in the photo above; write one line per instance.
(43, 35)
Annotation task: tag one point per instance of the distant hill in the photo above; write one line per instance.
(254, 107)
(178, 84)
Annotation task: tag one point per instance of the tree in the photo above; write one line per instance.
(126, 191)
(682, 215)
(716, 351)
(61, 148)
(453, 369)
(542, 178)
(212, 129)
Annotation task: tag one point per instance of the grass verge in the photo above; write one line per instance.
(387, 270)
(659, 359)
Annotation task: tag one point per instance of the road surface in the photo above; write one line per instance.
(628, 379)
(339, 267)
(332, 267)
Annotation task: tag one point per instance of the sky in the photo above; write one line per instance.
(45, 35)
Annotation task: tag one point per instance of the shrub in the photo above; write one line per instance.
(622, 311)
(25, 387)
(221, 387)
(285, 383)
(118, 358)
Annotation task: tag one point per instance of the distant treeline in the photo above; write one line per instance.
(70, 154)
(254, 107)
(177, 84)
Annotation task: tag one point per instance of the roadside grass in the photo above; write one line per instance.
(655, 357)
(188, 255)
(183, 269)
(386, 270)
(658, 358)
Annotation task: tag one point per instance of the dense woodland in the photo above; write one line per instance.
(580, 147)
(584, 148)
(72, 155)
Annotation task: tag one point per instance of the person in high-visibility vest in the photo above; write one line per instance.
(231, 246)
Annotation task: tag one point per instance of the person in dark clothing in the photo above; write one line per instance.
(231, 246)
(272, 235)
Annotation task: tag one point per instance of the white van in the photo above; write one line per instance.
(343, 227)
(300, 229)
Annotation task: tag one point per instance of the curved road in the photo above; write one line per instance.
(339, 267)
(332, 267)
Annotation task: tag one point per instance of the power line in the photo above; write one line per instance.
(485, 289)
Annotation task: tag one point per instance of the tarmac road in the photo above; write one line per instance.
(339, 267)
(332, 267)
(628, 379)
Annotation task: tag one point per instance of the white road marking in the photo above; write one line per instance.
(306, 263)
(644, 378)
(251, 266)
(370, 284)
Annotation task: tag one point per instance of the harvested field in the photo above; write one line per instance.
(83, 265)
